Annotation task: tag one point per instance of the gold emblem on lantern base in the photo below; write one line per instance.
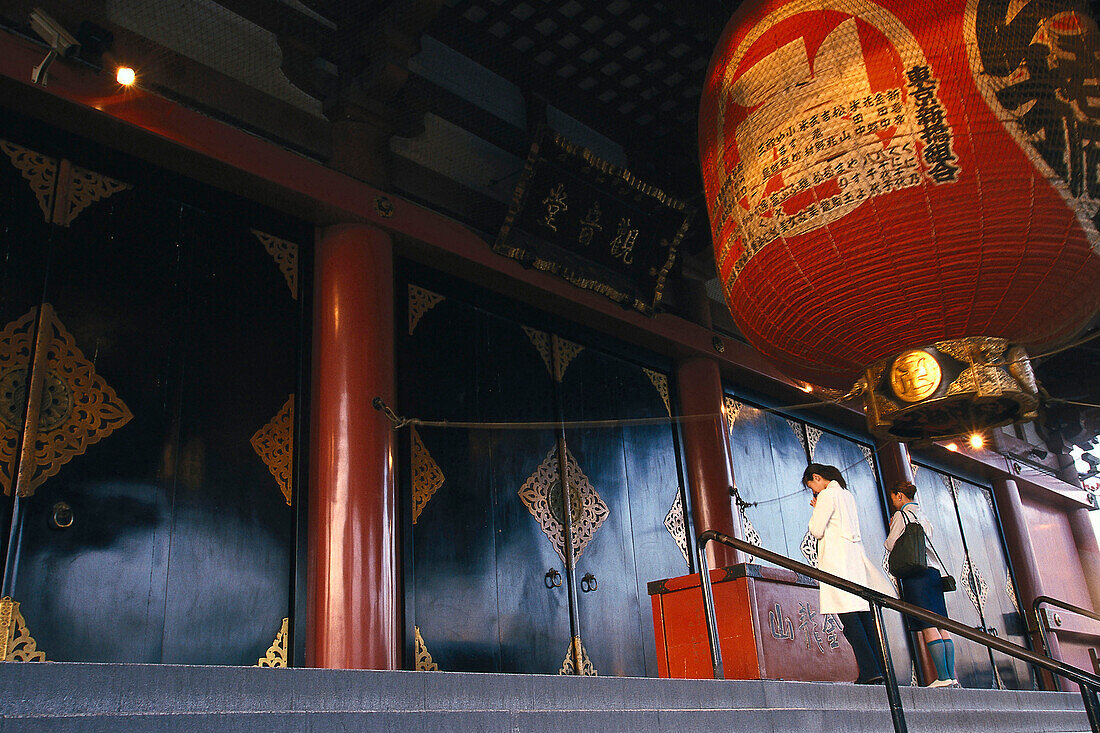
(915, 375)
(949, 388)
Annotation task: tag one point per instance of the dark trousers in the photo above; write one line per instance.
(859, 630)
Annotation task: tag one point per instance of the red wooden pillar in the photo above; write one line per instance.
(352, 584)
(706, 445)
(893, 460)
(1029, 581)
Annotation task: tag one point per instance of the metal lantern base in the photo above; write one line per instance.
(949, 388)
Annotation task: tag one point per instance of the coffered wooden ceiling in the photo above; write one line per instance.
(630, 69)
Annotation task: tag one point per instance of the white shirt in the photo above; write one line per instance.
(835, 523)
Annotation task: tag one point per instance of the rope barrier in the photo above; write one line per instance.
(399, 421)
(735, 491)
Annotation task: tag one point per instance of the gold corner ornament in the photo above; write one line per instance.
(17, 644)
(915, 375)
(63, 190)
(85, 188)
(285, 254)
(274, 444)
(564, 354)
(40, 171)
(660, 383)
(577, 661)
(796, 428)
(424, 662)
(733, 408)
(541, 341)
(677, 527)
(427, 477)
(813, 435)
(60, 409)
(277, 653)
(420, 302)
(557, 353)
(949, 388)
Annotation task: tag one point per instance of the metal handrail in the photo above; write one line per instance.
(1041, 621)
(1089, 683)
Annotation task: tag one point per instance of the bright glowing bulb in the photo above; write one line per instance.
(807, 388)
(126, 76)
(976, 441)
(951, 446)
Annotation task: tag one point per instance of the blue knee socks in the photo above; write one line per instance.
(949, 649)
(937, 649)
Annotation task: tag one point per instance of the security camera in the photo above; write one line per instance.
(59, 39)
(61, 42)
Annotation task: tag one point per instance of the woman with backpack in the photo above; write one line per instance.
(925, 587)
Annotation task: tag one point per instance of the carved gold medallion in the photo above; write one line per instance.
(915, 375)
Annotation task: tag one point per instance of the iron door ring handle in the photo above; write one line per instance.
(588, 583)
(61, 516)
(552, 579)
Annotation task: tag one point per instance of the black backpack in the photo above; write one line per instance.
(910, 555)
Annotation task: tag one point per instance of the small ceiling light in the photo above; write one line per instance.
(951, 446)
(126, 76)
(807, 388)
(977, 441)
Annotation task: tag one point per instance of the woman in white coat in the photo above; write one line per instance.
(835, 524)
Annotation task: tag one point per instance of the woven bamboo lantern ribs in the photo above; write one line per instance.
(905, 193)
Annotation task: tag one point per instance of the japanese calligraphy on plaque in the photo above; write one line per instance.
(592, 223)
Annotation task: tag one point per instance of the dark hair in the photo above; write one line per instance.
(906, 487)
(829, 473)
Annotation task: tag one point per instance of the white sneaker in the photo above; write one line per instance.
(942, 683)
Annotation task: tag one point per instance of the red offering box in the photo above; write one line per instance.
(768, 627)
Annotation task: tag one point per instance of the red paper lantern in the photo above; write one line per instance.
(887, 174)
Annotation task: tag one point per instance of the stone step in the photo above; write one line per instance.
(88, 698)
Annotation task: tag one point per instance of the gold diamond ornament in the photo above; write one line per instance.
(76, 407)
(542, 494)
